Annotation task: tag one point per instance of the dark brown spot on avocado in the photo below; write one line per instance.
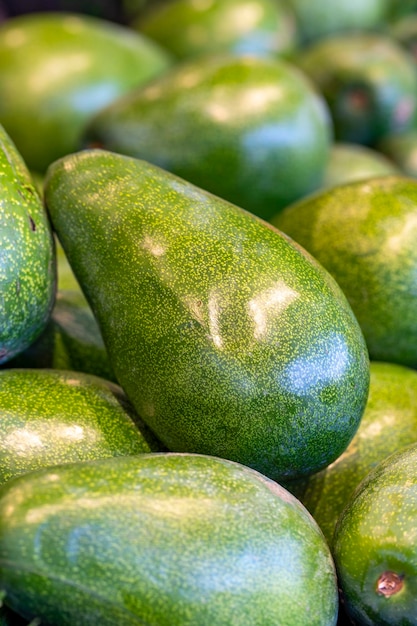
(389, 583)
(32, 224)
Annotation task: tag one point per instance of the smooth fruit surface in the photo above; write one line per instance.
(364, 233)
(239, 26)
(250, 130)
(51, 417)
(369, 82)
(58, 69)
(375, 544)
(27, 255)
(167, 539)
(388, 424)
(228, 339)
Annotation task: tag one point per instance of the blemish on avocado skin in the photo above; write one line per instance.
(32, 224)
(389, 583)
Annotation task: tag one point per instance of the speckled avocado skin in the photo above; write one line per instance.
(27, 260)
(364, 234)
(376, 534)
(71, 340)
(388, 424)
(228, 339)
(167, 539)
(251, 130)
(50, 417)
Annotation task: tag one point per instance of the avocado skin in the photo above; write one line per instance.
(71, 340)
(369, 83)
(58, 69)
(251, 130)
(239, 26)
(228, 339)
(27, 260)
(167, 539)
(388, 424)
(377, 533)
(51, 417)
(364, 234)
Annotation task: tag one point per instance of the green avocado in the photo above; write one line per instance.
(375, 546)
(167, 539)
(239, 26)
(71, 340)
(364, 233)
(351, 161)
(50, 417)
(369, 82)
(228, 339)
(251, 130)
(388, 424)
(27, 255)
(58, 69)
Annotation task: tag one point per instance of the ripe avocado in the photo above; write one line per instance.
(375, 545)
(27, 255)
(70, 341)
(50, 417)
(369, 82)
(229, 339)
(58, 69)
(364, 233)
(251, 130)
(167, 539)
(388, 424)
(239, 26)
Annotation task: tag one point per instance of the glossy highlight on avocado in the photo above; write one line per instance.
(27, 255)
(229, 339)
(167, 539)
(50, 417)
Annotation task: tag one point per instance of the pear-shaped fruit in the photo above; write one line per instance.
(364, 233)
(251, 130)
(229, 339)
(167, 539)
(57, 70)
(27, 255)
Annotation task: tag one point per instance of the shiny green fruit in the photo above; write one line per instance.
(228, 339)
(349, 162)
(167, 539)
(388, 424)
(364, 233)
(50, 417)
(250, 130)
(369, 82)
(375, 547)
(57, 70)
(27, 256)
(239, 26)
(71, 340)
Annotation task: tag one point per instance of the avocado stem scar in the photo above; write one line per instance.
(389, 583)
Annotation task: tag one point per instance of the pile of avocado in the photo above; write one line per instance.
(208, 305)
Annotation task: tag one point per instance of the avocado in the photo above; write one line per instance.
(349, 162)
(51, 416)
(369, 82)
(364, 233)
(228, 339)
(388, 424)
(167, 539)
(317, 19)
(58, 69)
(27, 259)
(375, 547)
(251, 130)
(71, 340)
(239, 26)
